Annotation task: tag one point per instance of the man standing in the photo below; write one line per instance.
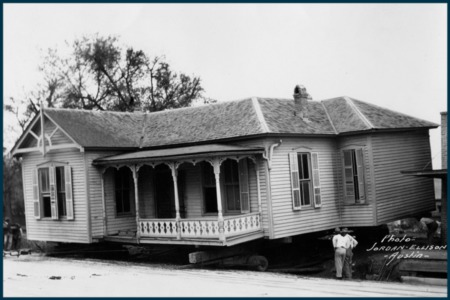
(351, 243)
(432, 226)
(16, 233)
(339, 244)
(6, 234)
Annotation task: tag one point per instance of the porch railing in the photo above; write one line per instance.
(200, 227)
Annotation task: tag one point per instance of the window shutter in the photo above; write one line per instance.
(295, 187)
(36, 198)
(349, 188)
(53, 202)
(360, 168)
(316, 180)
(69, 194)
(243, 186)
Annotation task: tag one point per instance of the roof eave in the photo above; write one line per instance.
(381, 130)
(100, 162)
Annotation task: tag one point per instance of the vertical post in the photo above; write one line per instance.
(105, 230)
(444, 210)
(216, 162)
(42, 129)
(135, 170)
(174, 168)
(258, 187)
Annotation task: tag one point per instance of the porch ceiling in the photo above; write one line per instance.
(178, 153)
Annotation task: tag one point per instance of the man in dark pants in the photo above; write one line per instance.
(6, 234)
(16, 232)
(351, 243)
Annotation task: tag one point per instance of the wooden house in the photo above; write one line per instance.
(221, 174)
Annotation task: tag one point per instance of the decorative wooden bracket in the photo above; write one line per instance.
(269, 153)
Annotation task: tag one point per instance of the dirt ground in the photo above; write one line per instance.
(302, 268)
(42, 276)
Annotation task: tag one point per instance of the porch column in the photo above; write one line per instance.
(105, 229)
(216, 162)
(135, 171)
(174, 168)
(258, 186)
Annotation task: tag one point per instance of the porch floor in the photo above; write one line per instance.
(230, 241)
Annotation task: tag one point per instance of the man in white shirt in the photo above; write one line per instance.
(339, 244)
(351, 243)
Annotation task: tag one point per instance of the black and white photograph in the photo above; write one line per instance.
(225, 150)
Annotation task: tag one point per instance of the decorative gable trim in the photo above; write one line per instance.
(29, 132)
(25, 134)
(63, 131)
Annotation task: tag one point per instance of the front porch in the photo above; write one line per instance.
(203, 195)
(202, 231)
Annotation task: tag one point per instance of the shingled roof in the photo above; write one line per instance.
(351, 115)
(227, 120)
(99, 128)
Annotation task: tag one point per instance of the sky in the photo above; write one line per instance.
(391, 55)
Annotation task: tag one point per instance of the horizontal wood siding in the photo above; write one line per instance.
(95, 191)
(263, 183)
(75, 231)
(146, 193)
(400, 195)
(192, 194)
(194, 190)
(193, 197)
(116, 223)
(357, 214)
(288, 222)
(60, 138)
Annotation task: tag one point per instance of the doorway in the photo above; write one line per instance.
(164, 193)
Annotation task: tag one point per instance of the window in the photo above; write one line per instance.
(231, 185)
(234, 187)
(44, 186)
(354, 187)
(305, 181)
(61, 191)
(122, 183)
(52, 191)
(304, 178)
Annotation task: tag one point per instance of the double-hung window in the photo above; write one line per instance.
(233, 184)
(353, 165)
(44, 186)
(52, 191)
(61, 191)
(305, 181)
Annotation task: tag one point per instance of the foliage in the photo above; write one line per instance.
(99, 74)
(13, 203)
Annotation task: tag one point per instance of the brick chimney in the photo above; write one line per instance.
(301, 98)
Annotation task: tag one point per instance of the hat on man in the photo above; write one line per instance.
(345, 230)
